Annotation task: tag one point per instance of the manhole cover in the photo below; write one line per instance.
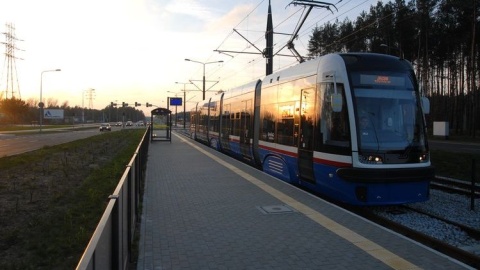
(275, 209)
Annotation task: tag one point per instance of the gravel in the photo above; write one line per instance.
(449, 206)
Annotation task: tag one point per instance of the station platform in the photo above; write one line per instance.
(205, 210)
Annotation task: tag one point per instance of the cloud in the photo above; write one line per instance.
(191, 8)
(232, 18)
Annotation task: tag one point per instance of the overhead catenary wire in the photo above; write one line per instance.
(223, 73)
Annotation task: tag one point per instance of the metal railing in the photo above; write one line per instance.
(111, 244)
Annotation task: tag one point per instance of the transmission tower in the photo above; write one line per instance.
(12, 86)
(90, 97)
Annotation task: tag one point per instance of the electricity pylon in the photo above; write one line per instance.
(12, 86)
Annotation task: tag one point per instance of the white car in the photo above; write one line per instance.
(105, 127)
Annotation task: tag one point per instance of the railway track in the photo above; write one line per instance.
(378, 215)
(468, 256)
(391, 217)
(456, 186)
(460, 254)
(452, 186)
(472, 232)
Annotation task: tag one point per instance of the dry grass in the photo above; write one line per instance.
(52, 199)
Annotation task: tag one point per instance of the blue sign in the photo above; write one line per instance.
(175, 101)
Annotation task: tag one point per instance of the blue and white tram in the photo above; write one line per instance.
(350, 126)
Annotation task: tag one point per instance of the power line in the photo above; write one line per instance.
(253, 62)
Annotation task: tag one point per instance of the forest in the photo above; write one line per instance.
(440, 39)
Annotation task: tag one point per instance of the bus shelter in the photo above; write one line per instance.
(161, 125)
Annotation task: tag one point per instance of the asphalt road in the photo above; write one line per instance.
(11, 144)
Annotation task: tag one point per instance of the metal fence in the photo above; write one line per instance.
(111, 244)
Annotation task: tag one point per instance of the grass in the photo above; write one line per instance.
(55, 208)
(455, 165)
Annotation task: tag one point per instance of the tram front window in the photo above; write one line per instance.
(389, 121)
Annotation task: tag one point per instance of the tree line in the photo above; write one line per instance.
(18, 111)
(439, 37)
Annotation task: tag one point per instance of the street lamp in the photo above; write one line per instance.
(221, 61)
(41, 104)
(184, 102)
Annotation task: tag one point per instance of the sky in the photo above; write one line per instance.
(135, 50)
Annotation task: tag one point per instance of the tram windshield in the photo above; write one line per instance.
(390, 125)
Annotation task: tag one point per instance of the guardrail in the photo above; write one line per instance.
(111, 244)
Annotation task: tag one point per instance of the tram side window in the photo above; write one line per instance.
(285, 124)
(203, 120)
(334, 135)
(214, 125)
(203, 117)
(235, 120)
(268, 123)
(226, 128)
(193, 119)
(214, 120)
(245, 129)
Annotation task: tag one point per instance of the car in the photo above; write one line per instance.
(105, 127)
(118, 124)
(129, 123)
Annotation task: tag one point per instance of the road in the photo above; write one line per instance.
(454, 147)
(11, 144)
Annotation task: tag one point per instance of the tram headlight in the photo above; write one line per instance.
(371, 159)
(423, 158)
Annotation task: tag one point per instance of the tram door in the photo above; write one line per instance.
(305, 142)
(226, 127)
(246, 128)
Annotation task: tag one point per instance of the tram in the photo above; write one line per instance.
(349, 126)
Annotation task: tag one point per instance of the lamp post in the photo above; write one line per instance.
(184, 102)
(221, 61)
(83, 107)
(41, 104)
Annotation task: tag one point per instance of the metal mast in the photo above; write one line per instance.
(12, 86)
(90, 97)
(268, 53)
